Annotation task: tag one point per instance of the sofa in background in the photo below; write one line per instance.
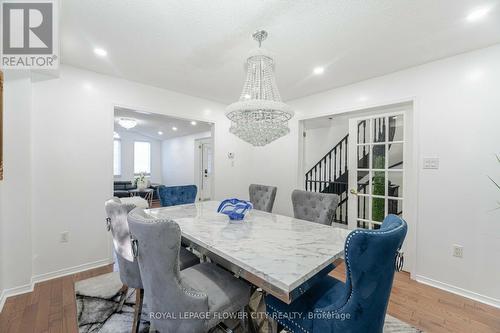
(121, 189)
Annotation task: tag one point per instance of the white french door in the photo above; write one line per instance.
(376, 169)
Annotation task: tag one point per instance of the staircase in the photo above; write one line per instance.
(331, 173)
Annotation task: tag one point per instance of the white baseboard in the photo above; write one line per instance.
(459, 291)
(6, 293)
(70, 270)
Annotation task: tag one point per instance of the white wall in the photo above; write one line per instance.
(72, 159)
(320, 140)
(457, 117)
(178, 159)
(15, 189)
(127, 139)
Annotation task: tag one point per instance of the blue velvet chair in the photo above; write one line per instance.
(360, 304)
(177, 195)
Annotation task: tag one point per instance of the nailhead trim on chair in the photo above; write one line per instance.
(155, 220)
(359, 231)
(301, 328)
(188, 292)
(348, 241)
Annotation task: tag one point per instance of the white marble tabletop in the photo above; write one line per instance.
(277, 253)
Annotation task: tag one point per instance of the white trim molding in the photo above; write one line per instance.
(71, 270)
(6, 293)
(459, 291)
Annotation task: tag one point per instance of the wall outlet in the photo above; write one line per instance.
(64, 238)
(458, 251)
(431, 163)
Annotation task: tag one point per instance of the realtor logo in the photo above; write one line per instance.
(28, 32)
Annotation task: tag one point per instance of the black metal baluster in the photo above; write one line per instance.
(315, 178)
(335, 164)
(330, 166)
(320, 177)
(325, 178)
(345, 143)
(340, 160)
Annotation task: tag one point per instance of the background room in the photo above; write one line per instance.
(152, 150)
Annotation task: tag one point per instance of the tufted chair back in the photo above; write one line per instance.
(262, 197)
(314, 206)
(117, 217)
(177, 195)
(158, 244)
(370, 265)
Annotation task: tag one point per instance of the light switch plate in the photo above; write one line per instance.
(458, 251)
(64, 237)
(431, 163)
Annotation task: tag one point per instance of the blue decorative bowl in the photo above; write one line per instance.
(235, 208)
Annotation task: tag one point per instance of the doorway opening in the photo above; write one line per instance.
(365, 157)
(203, 167)
(154, 149)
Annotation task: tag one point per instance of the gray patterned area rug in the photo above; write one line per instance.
(97, 302)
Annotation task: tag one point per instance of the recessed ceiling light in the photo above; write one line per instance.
(160, 133)
(478, 14)
(127, 123)
(318, 70)
(100, 52)
(193, 123)
(247, 96)
(174, 128)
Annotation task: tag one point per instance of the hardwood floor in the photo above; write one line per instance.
(435, 310)
(51, 307)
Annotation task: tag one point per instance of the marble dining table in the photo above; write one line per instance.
(280, 254)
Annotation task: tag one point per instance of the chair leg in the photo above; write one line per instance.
(123, 298)
(248, 324)
(139, 297)
(273, 325)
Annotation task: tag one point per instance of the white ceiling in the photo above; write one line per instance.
(148, 124)
(198, 47)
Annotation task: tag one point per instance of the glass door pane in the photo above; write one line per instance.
(379, 170)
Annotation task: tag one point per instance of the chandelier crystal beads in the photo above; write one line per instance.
(259, 117)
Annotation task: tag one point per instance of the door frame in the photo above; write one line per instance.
(111, 105)
(412, 151)
(198, 163)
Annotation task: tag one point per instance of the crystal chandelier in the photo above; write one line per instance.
(259, 117)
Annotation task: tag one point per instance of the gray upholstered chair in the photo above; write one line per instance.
(201, 289)
(314, 206)
(129, 269)
(262, 197)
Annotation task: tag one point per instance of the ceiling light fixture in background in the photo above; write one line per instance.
(174, 128)
(160, 133)
(319, 70)
(127, 123)
(100, 52)
(193, 123)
